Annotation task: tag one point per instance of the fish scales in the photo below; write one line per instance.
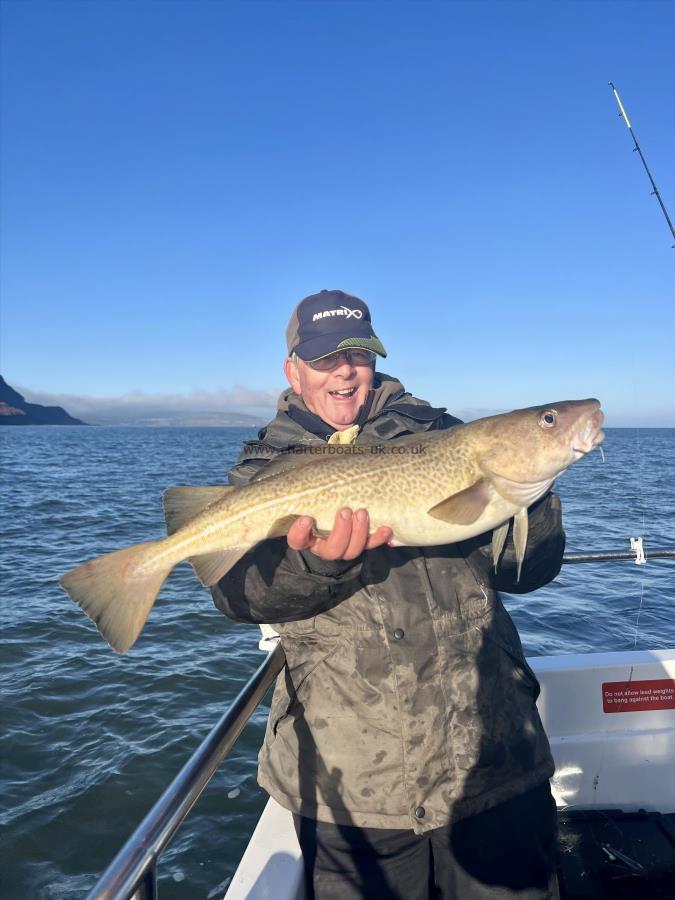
(435, 488)
(348, 479)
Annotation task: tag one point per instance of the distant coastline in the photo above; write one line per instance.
(236, 407)
(15, 410)
(203, 410)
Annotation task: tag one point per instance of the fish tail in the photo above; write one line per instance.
(117, 591)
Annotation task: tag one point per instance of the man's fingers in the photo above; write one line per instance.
(300, 535)
(359, 536)
(348, 538)
(382, 536)
(335, 545)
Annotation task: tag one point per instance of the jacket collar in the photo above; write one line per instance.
(385, 389)
(388, 395)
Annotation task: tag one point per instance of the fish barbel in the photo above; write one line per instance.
(431, 488)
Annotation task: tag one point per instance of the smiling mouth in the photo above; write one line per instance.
(343, 393)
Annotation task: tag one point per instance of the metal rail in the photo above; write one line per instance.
(132, 875)
(611, 555)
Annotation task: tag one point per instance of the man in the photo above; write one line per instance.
(403, 732)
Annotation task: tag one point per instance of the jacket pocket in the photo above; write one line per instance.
(295, 678)
(496, 732)
(505, 635)
(298, 628)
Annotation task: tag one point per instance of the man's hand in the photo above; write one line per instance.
(348, 539)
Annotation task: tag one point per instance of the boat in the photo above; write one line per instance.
(610, 718)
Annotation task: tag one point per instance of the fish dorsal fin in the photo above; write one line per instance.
(210, 567)
(303, 456)
(181, 504)
(289, 459)
(421, 438)
(464, 507)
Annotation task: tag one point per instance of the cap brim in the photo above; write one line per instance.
(324, 346)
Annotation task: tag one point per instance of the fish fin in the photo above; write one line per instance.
(416, 439)
(301, 456)
(518, 493)
(280, 527)
(498, 539)
(181, 504)
(464, 507)
(289, 459)
(210, 567)
(520, 525)
(117, 592)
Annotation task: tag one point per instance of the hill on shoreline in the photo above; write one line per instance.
(14, 410)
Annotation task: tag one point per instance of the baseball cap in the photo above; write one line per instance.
(328, 321)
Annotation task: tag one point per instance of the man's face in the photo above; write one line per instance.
(335, 396)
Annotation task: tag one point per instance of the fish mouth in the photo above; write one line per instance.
(590, 434)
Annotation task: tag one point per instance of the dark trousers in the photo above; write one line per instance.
(505, 852)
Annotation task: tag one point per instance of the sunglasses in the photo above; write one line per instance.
(355, 357)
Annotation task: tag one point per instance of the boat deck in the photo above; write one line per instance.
(610, 855)
(610, 718)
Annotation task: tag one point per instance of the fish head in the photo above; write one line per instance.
(523, 451)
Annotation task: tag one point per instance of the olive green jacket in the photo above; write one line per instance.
(406, 701)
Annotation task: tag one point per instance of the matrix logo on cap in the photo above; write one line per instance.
(342, 311)
(328, 321)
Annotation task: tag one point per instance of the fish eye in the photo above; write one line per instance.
(548, 418)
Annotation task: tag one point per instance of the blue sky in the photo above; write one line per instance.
(176, 175)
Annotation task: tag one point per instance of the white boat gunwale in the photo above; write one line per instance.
(604, 760)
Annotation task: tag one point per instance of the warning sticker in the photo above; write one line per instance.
(638, 696)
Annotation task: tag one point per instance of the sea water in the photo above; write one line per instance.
(90, 739)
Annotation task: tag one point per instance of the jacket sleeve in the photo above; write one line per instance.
(544, 552)
(254, 456)
(273, 583)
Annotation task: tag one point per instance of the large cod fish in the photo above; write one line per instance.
(435, 488)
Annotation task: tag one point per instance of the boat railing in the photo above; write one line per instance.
(132, 875)
(133, 872)
(637, 553)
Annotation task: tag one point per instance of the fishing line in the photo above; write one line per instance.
(637, 622)
(640, 499)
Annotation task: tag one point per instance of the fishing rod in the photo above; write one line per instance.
(655, 192)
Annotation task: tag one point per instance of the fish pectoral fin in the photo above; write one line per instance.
(183, 503)
(280, 527)
(210, 567)
(520, 526)
(498, 541)
(464, 507)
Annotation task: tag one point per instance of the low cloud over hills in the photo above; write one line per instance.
(238, 406)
